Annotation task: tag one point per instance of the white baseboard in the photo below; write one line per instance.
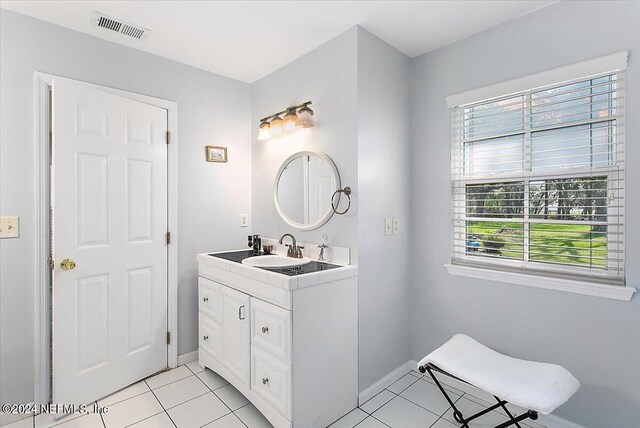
(553, 421)
(387, 380)
(187, 358)
(549, 421)
(9, 418)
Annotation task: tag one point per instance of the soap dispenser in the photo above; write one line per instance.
(257, 244)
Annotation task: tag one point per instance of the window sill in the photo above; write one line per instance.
(570, 286)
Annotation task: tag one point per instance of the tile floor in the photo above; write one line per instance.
(414, 401)
(189, 396)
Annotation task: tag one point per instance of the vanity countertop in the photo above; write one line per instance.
(311, 267)
(291, 278)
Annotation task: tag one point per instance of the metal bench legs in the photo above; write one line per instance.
(459, 417)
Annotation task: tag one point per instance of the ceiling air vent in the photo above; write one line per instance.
(100, 20)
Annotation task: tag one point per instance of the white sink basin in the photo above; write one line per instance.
(274, 261)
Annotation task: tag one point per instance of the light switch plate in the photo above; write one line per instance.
(244, 220)
(388, 226)
(396, 225)
(9, 227)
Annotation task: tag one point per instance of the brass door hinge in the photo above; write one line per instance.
(168, 337)
(168, 137)
(168, 238)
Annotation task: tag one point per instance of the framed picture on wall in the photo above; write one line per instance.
(216, 154)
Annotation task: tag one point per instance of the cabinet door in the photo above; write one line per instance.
(236, 333)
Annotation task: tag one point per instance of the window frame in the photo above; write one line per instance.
(564, 277)
(528, 174)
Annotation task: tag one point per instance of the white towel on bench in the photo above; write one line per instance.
(536, 386)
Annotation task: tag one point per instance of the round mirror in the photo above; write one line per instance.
(302, 192)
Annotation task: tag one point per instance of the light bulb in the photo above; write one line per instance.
(290, 120)
(265, 131)
(305, 118)
(277, 126)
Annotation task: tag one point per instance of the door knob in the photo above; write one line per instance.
(67, 264)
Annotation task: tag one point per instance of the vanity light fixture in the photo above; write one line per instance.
(305, 117)
(290, 120)
(265, 130)
(298, 116)
(276, 126)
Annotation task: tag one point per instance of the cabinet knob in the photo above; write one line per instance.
(205, 337)
(265, 330)
(205, 299)
(265, 380)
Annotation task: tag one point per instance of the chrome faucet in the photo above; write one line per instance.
(293, 251)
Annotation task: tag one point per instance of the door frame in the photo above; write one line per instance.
(43, 321)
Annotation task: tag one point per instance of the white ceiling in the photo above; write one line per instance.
(247, 40)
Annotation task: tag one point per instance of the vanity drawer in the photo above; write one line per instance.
(209, 297)
(210, 336)
(271, 380)
(271, 329)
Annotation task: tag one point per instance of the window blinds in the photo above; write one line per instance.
(538, 180)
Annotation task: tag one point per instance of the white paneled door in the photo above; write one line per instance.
(109, 198)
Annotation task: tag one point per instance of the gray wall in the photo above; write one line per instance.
(383, 191)
(359, 86)
(327, 76)
(212, 110)
(598, 340)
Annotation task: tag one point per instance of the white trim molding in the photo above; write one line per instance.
(553, 421)
(42, 82)
(187, 358)
(42, 300)
(550, 283)
(604, 64)
(379, 386)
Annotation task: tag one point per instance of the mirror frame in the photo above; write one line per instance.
(283, 215)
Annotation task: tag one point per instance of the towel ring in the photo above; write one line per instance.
(347, 193)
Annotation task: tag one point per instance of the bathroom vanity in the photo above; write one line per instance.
(285, 337)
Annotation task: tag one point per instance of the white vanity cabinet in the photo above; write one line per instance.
(289, 344)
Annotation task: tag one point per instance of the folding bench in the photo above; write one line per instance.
(538, 387)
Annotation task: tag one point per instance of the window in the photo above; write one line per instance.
(538, 180)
